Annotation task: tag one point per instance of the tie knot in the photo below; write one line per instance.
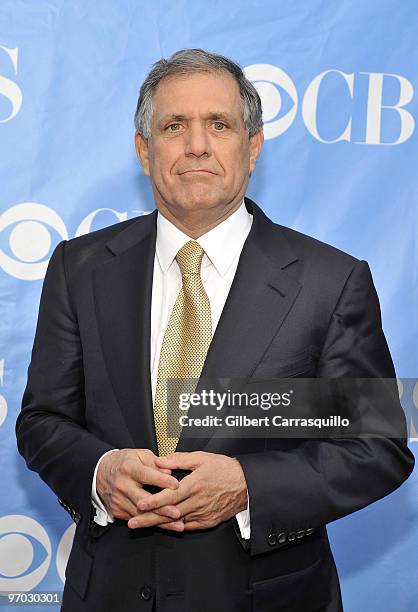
(189, 257)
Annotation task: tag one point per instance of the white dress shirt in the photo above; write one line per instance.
(222, 245)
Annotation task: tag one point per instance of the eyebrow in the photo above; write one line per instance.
(219, 116)
(166, 118)
(214, 116)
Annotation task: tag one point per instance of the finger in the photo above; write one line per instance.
(187, 461)
(168, 511)
(167, 497)
(129, 499)
(134, 492)
(147, 457)
(147, 519)
(194, 525)
(152, 476)
(123, 501)
(129, 507)
(190, 509)
(134, 470)
(174, 526)
(123, 509)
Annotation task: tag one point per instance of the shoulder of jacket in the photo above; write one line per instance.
(317, 253)
(91, 247)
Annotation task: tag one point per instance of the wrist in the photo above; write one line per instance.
(242, 488)
(103, 475)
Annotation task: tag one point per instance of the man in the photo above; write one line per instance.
(208, 286)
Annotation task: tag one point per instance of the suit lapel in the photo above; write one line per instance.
(261, 295)
(123, 290)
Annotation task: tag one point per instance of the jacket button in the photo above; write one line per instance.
(146, 592)
(77, 518)
(309, 531)
(291, 536)
(300, 534)
(272, 540)
(281, 538)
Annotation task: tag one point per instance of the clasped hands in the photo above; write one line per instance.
(213, 492)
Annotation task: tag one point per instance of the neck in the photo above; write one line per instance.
(196, 223)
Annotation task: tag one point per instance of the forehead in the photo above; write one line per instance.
(197, 93)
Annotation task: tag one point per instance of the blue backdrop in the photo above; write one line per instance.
(337, 81)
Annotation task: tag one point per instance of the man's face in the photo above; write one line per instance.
(199, 155)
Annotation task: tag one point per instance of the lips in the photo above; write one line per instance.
(196, 170)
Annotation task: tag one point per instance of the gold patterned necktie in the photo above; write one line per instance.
(186, 339)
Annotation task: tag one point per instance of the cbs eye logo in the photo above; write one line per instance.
(30, 239)
(265, 79)
(63, 551)
(25, 553)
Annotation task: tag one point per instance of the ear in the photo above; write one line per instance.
(141, 146)
(256, 142)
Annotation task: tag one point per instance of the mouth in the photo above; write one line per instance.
(197, 171)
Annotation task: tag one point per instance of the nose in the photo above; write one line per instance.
(197, 141)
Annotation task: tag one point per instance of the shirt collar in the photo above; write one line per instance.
(221, 244)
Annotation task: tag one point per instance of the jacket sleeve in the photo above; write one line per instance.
(294, 490)
(51, 430)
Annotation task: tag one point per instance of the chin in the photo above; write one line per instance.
(196, 201)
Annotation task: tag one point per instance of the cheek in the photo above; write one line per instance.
(163, 163)
(160, 167)
(240, 165)
(234, 158)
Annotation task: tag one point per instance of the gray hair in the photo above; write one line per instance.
(188, 61)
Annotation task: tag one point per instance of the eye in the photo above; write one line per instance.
(63, 550)
(219, 126)
(25, 553)
(278, 95)
(173, 127)
(29, 231)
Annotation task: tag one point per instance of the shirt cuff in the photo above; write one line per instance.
(243, 520)
(102, 517)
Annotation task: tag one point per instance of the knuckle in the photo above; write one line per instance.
(125, 467)
(197, 488)
(117, 485)
(124, 454)
(144, 454)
